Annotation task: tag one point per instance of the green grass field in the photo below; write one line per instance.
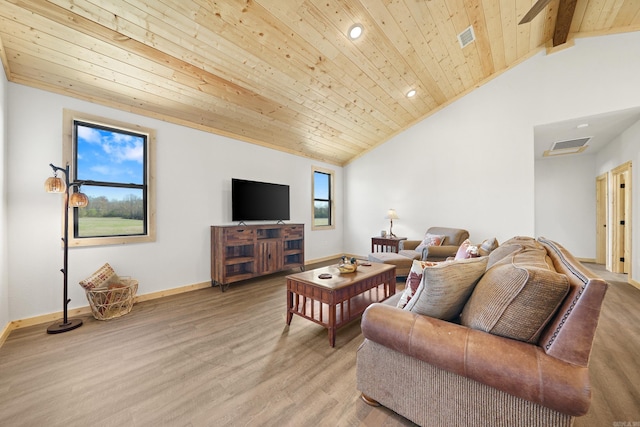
(89, 227)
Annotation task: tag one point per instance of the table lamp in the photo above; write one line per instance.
(391, 214)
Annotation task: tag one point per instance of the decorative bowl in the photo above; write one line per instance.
(347, 267)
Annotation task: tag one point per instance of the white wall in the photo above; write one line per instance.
(565, 189)
(194, 171)
(471, 165)
(4, 272)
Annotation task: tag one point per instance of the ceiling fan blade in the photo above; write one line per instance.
(534, 11)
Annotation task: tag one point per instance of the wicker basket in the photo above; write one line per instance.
(115, 302)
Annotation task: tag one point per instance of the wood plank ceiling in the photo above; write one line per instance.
(283, 73)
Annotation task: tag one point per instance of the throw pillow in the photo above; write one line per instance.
(413, 281)
(515, 301)
(466, 250)
(445, 288)
(488, 246)
(430, 240)
(101, 278)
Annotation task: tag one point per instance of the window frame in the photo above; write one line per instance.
(69, 157)
(332, 223)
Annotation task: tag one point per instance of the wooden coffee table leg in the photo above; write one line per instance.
(289, 306)
(332, 325)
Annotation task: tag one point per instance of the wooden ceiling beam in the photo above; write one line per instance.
(566, 10)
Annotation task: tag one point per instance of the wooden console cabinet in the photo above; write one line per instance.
(240, 252)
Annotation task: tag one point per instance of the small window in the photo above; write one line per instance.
(323, 208)
(113, 161)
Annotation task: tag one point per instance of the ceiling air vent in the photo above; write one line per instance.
(467, 37)
(571, 146)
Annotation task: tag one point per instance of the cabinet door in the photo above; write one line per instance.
(270, 257)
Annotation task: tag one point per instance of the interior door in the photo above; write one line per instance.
(621, 256)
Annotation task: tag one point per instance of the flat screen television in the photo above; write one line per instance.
(259, 201)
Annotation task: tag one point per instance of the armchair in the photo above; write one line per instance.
(453, 238)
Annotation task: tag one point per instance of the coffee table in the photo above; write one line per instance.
(336, 301)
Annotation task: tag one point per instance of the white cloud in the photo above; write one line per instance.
(90, 135)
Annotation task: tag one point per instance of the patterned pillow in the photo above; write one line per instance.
(430, 240)
(413, 281)
(445, 288)
(466, 250)
(101, 278)
(515, 301)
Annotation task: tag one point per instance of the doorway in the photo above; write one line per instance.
(621, 219)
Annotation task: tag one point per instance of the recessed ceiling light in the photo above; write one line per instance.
(411, 93)
(355, 31)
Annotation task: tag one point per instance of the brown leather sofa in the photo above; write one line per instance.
(441, 373)
(453, 238)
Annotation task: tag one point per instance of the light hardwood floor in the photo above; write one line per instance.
(207, 358)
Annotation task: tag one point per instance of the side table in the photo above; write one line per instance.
(386, 244)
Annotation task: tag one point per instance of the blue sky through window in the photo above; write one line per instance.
(109, 156)
(321, 185)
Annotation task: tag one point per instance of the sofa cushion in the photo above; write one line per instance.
(533, 253)
(413, 281)
(445, 287)
(410, 253)
(515, 301)
(430, 240)
(502, 252)
(101, 278)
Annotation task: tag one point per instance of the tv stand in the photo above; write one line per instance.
(241, 252)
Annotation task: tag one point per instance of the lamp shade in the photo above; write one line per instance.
(53, 184)
(78, 200)
(391, 214)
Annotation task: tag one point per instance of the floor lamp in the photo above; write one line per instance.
(71, 199)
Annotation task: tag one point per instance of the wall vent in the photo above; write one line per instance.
(571, 146)
(467, 37)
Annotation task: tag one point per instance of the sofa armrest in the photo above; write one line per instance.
(409, 244)
(439, 253)
(515, 367)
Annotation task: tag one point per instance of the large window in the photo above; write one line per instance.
(323, 215)
(114, 162)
